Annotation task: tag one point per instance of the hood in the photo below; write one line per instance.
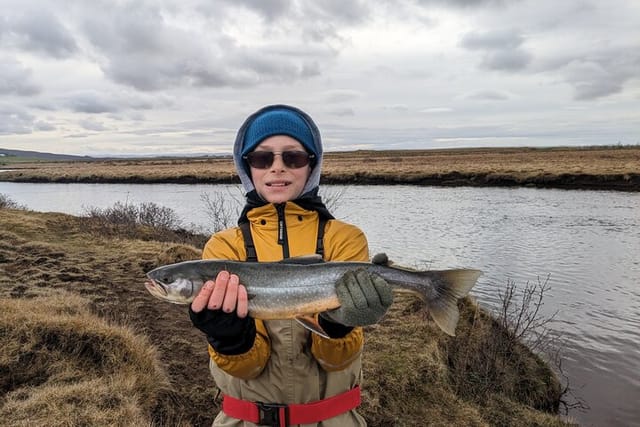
(243, 168)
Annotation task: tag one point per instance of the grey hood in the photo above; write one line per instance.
(243, 168)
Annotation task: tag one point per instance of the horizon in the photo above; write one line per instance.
(230, 154)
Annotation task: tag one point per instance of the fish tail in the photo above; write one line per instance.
(450, 285)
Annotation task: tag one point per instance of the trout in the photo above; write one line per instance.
(297, 289)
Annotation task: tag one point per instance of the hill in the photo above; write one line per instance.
(36, 155)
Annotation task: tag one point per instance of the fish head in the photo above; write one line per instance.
(172, 286)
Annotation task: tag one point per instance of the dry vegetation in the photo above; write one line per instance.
(83, 343)
(615, 168)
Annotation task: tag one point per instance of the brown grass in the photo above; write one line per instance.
(62, 365)
(83, 343)
(592, 167)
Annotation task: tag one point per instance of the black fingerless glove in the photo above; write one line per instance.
(227, 333)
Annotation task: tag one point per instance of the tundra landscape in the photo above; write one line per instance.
(614, 168)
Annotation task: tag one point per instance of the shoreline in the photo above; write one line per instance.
(627, 183)
(589, 168)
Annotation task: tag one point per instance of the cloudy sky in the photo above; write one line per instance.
(179, 76)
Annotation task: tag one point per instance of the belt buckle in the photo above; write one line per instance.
(269, 414)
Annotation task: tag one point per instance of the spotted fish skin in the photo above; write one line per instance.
(286, 289)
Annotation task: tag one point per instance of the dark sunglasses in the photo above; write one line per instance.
(291, 159)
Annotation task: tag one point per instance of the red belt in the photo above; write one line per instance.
(282, 415)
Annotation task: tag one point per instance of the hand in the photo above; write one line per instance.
(364, 298)
(225, 293)
(220, 310)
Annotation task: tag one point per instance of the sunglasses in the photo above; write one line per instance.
(291, 159)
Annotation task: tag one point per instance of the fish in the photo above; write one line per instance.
(299, 288)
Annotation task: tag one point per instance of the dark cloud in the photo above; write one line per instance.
(506, 60)
(492, 40)
(15, 120)
(15, 79)
(95, 102)
(269, 9)
(502, 49)
(43, 126)
(349, 12)
(595, 73)
(138, 47)
(91, 102)
(604, 73)
(306, 14)
(38, 30)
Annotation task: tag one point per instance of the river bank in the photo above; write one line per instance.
(87, 345)
(592, 168)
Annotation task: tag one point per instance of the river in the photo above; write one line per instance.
(585, 243)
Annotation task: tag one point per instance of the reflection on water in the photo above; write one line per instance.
(586, 243)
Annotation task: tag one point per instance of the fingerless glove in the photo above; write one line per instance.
(227, 333)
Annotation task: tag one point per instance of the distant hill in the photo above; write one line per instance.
(40, 156)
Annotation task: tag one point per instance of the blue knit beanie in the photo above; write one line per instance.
(278, 121)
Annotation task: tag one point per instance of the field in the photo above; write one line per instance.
(614, 168)
(83, 343)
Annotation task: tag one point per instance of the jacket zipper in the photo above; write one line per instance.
(282, 230)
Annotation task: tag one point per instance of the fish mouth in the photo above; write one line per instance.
(156, 288)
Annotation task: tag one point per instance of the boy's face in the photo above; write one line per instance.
(279, 183)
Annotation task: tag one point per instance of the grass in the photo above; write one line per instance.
(610, 167)
(63, 365)
(83, 343)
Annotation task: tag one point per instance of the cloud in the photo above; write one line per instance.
(139, 47)
(93, 125)
(597, 72)
(37, 30)
(487, 95)
(91, 102)
(15, 120)
(342, 112)
(465, 3)
(15, 79)
(502, 49)
(342, 95)
(269, 9)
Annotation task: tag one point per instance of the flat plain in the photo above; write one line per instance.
(608, 167)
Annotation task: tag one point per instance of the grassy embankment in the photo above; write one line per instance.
(83, 343)
(615, 168)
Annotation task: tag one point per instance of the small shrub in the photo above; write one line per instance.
(222, 209)
(499, 354)
(7, 203)
(147, 221)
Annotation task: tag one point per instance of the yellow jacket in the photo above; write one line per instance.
(287, 363)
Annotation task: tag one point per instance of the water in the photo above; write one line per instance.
(586, 243)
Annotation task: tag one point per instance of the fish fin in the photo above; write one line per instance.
(456, 284)
(382, 259)
(303, 259)
(311, 323)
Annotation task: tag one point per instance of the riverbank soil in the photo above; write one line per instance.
(83, 343)
(604, 168)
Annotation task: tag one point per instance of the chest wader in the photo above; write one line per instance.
(250, 248)
(282, 415)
